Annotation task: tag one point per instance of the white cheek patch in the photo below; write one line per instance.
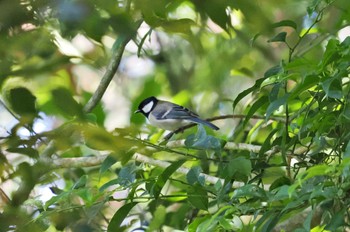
(147, 108)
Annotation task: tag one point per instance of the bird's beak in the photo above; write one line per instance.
(137, 111)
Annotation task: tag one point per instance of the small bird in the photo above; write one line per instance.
(169, 116)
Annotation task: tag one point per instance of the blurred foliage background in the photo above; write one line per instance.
(275, 74)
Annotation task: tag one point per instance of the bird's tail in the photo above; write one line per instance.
(209, 124)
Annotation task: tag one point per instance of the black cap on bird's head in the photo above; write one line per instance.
(147, 105)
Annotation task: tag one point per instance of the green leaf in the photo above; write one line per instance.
(331, 52)
(255, 37)
(198, 197)
(193, 176)
(203, 141)
(119, 216)
(273, 71)
(217, 11)
(55, 199)
(225, 224)
(81, 182)
(308, 220)
(107, 163)
(99, 139)
(178, 26)
(267, 143)
(239, 168)
(281, 193)
(193, 227)
(158, 219)
(280, 37)
(243, 94)
(213, 222)
(270, 223)
(108, 184)
(281, 181)
(64, 100)
(30, 152)
(275, 91)
(22, 102)
(268, 215)
(337, 221)
(317, 170)
(308, 82)
(127, 174)
(249, 191)
(164, 176)
(285, 23)
(347, 150)
(275, 105)
(333, 88)
(260, 103)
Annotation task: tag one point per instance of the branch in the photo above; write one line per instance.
(112, 68)
(221, 117)
(242, 147)
(90, 161)
(110, 71)
(76, 162)
(108, 76)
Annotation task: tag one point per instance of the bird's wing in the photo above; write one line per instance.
(174, 111)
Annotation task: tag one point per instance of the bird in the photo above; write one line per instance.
(169, 116)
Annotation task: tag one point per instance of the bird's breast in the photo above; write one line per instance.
(167, 124)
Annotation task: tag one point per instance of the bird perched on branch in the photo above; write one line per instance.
(169, 116)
